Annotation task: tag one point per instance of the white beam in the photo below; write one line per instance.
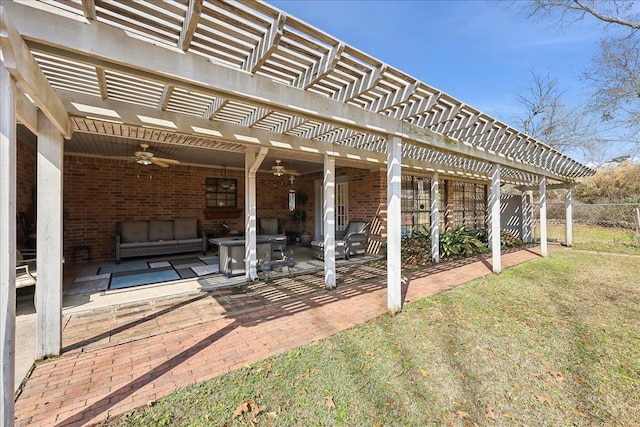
(25, 70)
(8, 153)
(188, 124)
(319, 70)
(89, 9)
(266, 45)
(49, 242)
(100, 44)
(102, 82)
(190, 23)
(26, 112)
(494, 219)
(252, 162)
(163, 103)
(394, 224)
(568, 199)
(435, 218)
(329, 222)
(527, 216)
(543, 216)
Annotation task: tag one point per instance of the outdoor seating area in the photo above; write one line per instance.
(350, 242)
(156, 237)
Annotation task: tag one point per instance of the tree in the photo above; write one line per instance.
(614, 75)
(548, 119)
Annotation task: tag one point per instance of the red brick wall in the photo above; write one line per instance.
(100, 192)
(26, 178)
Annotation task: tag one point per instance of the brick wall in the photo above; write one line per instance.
(26, 178)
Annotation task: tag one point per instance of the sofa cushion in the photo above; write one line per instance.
(134, 245)
(189, 241)
(134, 231)
(160, 230)
(185, 229)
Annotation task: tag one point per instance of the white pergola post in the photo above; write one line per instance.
(494, 219)
(251, 164)
(568, 200)
(8, 154)
(527, 216)
(435, 219)
(543, 216)
(49, 242)
(329, 222)
(394, 224)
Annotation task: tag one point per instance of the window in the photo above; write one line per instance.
(416, 204)
(221, 193)
(469, 204)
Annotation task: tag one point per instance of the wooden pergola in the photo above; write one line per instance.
(241, 77)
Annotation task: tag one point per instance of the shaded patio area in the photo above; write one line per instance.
(124, 356)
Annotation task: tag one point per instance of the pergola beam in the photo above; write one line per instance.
(190, 24)
(89, 9)
(23, 67)
(267, 44)
(101, 45)
(253, 137)
(26, 112)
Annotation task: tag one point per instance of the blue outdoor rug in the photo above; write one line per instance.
(146, 277)
(138, 273)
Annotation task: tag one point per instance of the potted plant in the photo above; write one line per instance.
(299, 216)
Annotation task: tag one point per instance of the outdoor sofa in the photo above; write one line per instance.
(159, 237)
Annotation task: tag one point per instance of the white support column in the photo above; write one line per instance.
(435, 218)
(394, 224)
(543, 216)
(494, 219)
(527, 216)
(49, 242)
(251, 164)
(568, 200)
(8, 154)
(329, 221)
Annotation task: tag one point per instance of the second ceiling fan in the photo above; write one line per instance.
(279, 170)
(145, 157)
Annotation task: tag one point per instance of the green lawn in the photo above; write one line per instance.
(553, 342)
(595, 238)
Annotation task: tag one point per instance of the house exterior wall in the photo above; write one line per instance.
(26, 178)
(98, 193)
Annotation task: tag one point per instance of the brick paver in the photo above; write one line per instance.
(121, 358)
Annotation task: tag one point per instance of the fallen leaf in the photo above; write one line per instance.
(544, 399)
(329, 402)
(246, 407)
(507, 415)
(241, 409)
(423, 373)
(272, 415)
(582, 414)
(463, 414)
(490, 415)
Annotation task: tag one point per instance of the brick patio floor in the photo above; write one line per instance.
(126, 356)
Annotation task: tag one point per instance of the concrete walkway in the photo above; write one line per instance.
(124, 356)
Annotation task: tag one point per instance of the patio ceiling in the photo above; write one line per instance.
(200, 77)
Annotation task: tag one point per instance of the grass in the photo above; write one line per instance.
(595, 238)
(554, 341)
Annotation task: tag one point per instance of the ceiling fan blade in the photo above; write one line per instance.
(159, 163)
(292, 172)
(163, 160)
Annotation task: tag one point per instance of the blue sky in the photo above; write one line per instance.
(479, 52)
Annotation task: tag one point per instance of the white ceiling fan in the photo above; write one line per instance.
(145, 157)
(279, 170)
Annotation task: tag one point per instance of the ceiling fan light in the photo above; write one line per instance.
(145, 162)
